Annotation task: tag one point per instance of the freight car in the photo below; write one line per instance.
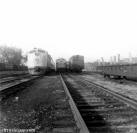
(128, 71)
(61, 65)
(39, 62)
(76, 63)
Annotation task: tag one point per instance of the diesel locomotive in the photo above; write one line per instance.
(39, 62)
(61, 65)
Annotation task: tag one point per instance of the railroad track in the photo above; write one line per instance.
(12, 73)
(14, 85)
(62, 115)
(103, 111)
(97, 111)
(127, 100)
(12, 79)
(78, 118)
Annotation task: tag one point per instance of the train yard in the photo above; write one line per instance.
(68, 66)
(71, 103)
(59, 97)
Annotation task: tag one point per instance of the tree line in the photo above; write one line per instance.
(11, 55)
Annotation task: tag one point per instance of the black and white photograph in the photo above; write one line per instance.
(68, 66)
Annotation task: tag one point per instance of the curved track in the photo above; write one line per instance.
(103, 111)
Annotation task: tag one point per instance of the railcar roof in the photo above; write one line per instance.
(61, 59)
(37, 50)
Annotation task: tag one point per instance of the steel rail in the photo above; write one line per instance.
(77, 116)
(122, 98)
(18, 82)
(14, 79)
(9, 88)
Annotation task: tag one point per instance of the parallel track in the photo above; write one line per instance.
(12, 79)
(13, 88)
(123, 98)
(95, 109)
(103, 111)
(5, 74)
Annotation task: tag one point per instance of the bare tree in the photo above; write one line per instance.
(10, 55)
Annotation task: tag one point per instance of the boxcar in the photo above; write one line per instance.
(120, 70)
(76, 63)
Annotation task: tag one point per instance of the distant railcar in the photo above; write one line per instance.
(39, 62)
(61, 65)
(128, 71)
(76, 63)
(90, 67)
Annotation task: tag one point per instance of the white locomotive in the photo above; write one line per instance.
(39, 62)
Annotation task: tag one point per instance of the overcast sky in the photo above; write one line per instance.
(93, 28)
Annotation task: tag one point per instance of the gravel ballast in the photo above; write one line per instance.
(127, 89)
